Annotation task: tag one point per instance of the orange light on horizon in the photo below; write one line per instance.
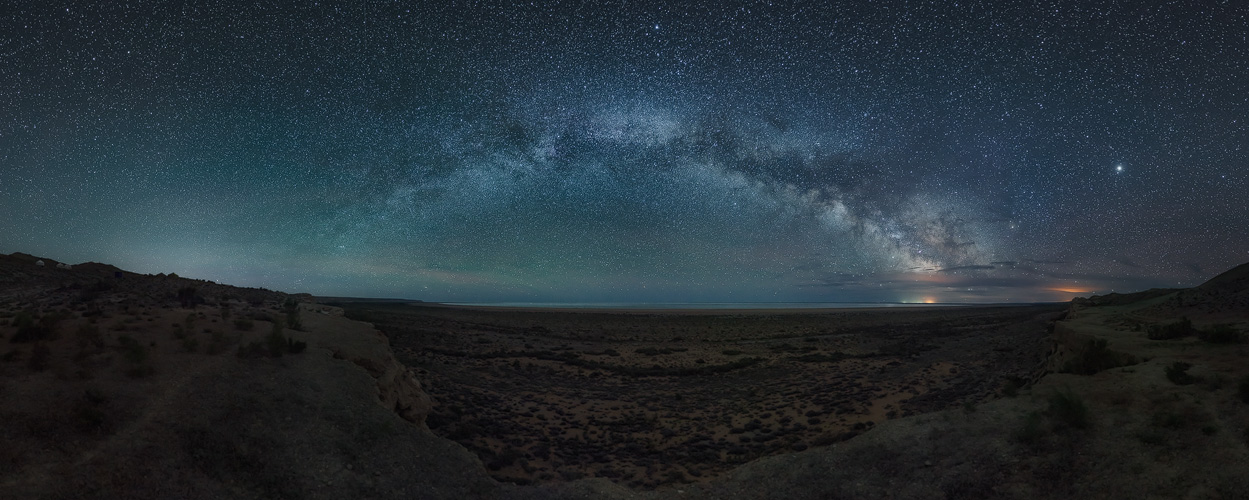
(1077, 291)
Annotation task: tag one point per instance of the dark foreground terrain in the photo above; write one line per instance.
(121, 385)
(653, 398)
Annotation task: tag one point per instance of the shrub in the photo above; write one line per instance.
(291, 306)
(190, 344)
(292, 319)
(1178, 373)
(1242, 390)
(1221, 334)
(252, 350)
(1179, 329)
(136, 355)
(1032, 431)
(1169, 420)
(1069, 409)
(730, 352)
(89, 337)
(244, 324)
(275, 340)
(357, 315)
(218, 343)
(276, 344)
(189, 296)
(40, 357)
(819, 357)
(1096, 357)
(1151, 437)
(31, 328)
(295, 347)
(1011, 388)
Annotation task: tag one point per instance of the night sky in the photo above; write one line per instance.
(633, 152)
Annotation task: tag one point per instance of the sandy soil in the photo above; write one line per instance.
(650, 398)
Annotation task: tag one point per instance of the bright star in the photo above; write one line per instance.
(1118, 169)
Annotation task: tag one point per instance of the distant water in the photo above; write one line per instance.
(708, 305)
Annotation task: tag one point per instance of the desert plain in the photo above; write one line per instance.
(649, 398)
(122, 385)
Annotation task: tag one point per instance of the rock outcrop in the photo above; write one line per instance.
(358, 342)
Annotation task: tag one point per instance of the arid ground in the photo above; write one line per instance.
(648, 398)
(121, 385)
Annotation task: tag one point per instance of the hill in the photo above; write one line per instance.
(122, 385)
(1223, 298)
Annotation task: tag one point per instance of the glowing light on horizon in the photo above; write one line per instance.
(1077, 291)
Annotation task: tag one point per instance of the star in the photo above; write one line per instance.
(542, 152)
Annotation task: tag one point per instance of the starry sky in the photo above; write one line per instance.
(610, 151)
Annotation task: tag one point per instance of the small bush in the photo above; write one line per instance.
(32, 328)
(252, 350)
(357, 315)
(1011, 388)
(189, 296)
(1178, 373)
(190, 344)
(730, 352)
(1221, 334)
(293, 321)
(1097, 357)
(291, 307)
(244, 324)
(1069, 409)
(1151, 437)
(91, 413)
(40, 357)
(295, 347)
(275, 341)
(89, 337)
(24, 319)
(1032, 430)
(276, 344)
(1242, 390)
(133, 350)
(1179, 329)
(136, 354)
(1169, 420)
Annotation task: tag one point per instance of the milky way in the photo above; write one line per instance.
(593, 151)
